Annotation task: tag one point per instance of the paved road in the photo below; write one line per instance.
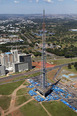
(30, 72)
(18, 75)
(47, 53)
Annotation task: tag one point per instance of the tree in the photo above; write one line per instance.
(75, 65)
(37, 53)
(69, 66)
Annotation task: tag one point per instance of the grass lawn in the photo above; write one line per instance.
(33, 108)
(58, 109)
(20, 100)
(72, 70)
(64, 61)
(7, 89)
(26, 83)
(9, 115)
(4, 102)
(21, 77)
(23, 91)
(75, 44)
(51, 74)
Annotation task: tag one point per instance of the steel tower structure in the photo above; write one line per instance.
(43, 89)
(43, 69)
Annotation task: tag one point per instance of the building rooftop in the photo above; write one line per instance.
(8, 53)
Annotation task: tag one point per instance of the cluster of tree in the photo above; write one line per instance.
(75, 65)
(67, 52)
(3, 48)
(36, 53)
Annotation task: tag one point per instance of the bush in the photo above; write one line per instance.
(69, 66)
(75, 65)
(37, 53)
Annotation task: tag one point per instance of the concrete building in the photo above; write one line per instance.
(15, 55)
(26, 59)
(16, 62)
(21, 66)
(2, 70)
(7, 60)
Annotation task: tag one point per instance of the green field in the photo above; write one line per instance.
(22, 95)
(63, 61)
(26, 83)
(59, 109)
(20, 100)
(7, 89)
(23, 91)
(72, 70)
(33, 108)
(75, 44)
(4, 102)
(9, 115)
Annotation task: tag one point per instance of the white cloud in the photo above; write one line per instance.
(37, 0)
(75, 0)
(60, 0)
(49, 1)
(16, 2)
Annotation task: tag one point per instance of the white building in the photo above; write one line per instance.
(13, 61)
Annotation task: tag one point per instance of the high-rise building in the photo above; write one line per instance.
(15, 55)
(2, 70)
(16, 62)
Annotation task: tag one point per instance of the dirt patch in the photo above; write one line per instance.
(1, 112)
(39, 64)
(16, 113)
(75, 85)
(51, 74)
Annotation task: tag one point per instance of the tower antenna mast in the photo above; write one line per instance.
(44, 80)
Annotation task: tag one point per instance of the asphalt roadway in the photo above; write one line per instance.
(32, 72)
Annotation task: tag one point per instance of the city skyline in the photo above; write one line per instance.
(36, 6)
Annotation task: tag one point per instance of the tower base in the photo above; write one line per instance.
(45, 92)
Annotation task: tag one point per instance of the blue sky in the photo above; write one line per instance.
(37, 6)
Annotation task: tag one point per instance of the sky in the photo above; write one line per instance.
(37, 6)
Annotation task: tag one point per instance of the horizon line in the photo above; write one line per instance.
(38, 14)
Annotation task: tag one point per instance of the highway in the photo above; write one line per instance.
(30, 72)
(17, 75)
